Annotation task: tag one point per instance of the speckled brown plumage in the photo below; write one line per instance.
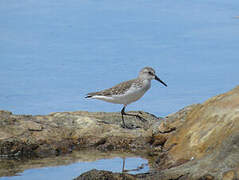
(118, 89)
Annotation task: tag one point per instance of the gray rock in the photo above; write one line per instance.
(59, 133)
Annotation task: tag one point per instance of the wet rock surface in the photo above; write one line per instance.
(200, 141)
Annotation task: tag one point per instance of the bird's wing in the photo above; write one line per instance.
(118, 89)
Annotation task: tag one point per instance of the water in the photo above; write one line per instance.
(71, 166)
(74, 170)
(54, 52)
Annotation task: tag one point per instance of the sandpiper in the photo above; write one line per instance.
(128, 91)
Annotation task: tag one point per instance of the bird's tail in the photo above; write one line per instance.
(88, 96)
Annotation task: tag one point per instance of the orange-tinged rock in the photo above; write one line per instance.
(206, 126)
(230, 175)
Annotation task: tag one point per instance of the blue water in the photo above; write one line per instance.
(74, 170)
(54, 52)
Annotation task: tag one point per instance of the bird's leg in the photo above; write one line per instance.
(122, 115)
(135, 115)
(123, 165)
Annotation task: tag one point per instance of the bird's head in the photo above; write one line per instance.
(149, 74)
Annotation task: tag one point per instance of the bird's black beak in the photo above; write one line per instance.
(156, 78)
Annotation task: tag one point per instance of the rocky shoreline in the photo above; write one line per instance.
(200, 141)
(28, 136)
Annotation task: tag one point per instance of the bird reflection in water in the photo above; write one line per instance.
(140, 167)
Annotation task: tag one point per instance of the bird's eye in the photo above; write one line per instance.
(151, 73)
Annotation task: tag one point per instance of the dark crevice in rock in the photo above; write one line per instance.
(168, 131)
(170, 147)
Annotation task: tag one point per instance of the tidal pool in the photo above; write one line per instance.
(72, 165)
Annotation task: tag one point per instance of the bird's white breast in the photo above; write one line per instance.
(133, 94)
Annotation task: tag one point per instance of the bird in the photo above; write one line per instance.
(128, 91)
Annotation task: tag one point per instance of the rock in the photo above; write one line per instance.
(104, 175)
(205, 140)
(229, 175)
(59, 133)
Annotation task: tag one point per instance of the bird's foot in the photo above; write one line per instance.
(140, 118)
(128, 127)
